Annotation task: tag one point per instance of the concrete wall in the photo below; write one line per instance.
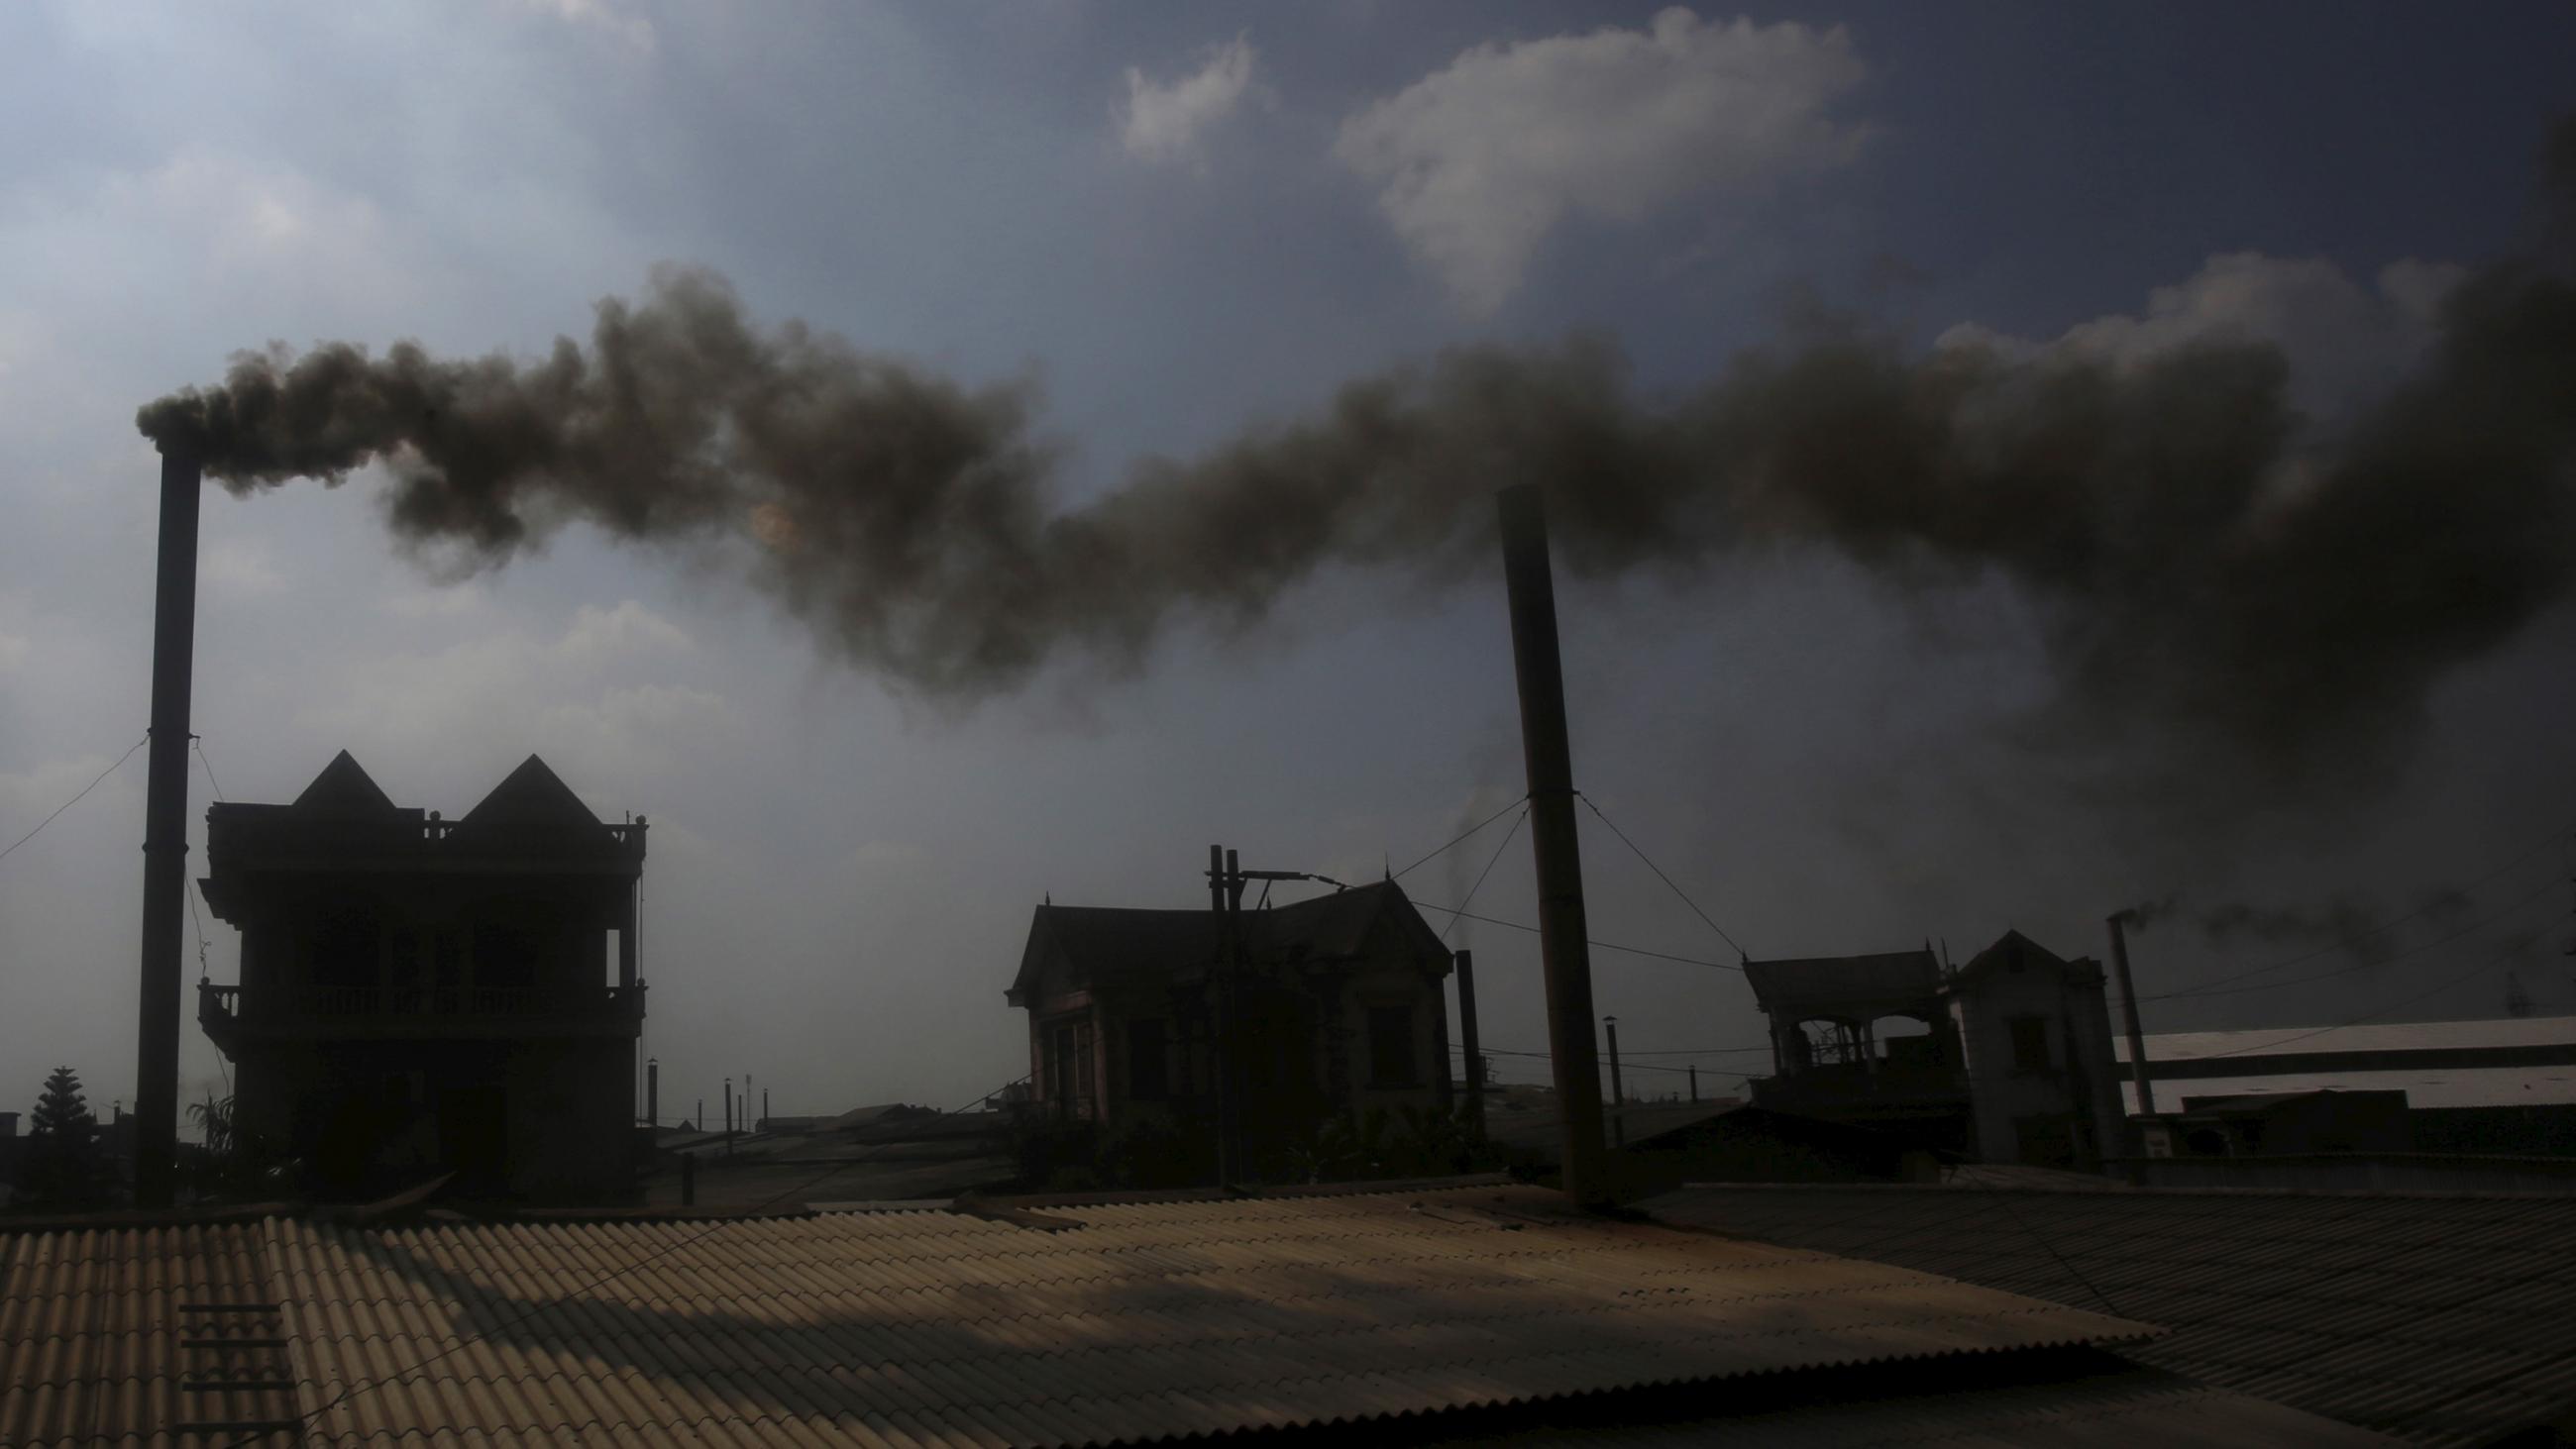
(2080, 1086)
(569, 1110)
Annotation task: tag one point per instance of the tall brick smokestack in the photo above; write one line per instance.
(165, 837)
(1563, 938)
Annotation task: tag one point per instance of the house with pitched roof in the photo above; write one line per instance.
(422, 996)
(1336, 1007)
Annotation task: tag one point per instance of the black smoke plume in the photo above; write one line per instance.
(2196, 564)
(2342, 922)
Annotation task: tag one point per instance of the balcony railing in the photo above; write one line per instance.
(228, 1005)
(239, 831)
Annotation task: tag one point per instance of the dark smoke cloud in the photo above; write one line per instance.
(2350, 925)
(2196, 563)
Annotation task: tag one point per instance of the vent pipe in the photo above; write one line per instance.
(2129, 1010)
(1547, 755)
(1466, 966)
(165, 839)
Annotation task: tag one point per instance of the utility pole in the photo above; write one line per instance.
(1618, 1093)
(653, 1092)
(1226, 880)
(1548, 757)
(1466, 963)
(728, 1116)
(1694, 1082)
(2129, 1010)
(1223, 892)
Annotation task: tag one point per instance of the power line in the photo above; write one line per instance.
(200, 923)
(1471, 830)
(197, 743)
(1597, 944)
(76, 799)
(1456, 1050)
(1659, 874)
(1490, 862)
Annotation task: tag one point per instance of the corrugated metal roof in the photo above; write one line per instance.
(2522, 1031)
(2124, 1409)
(1100, 1323)
(2424, 1087)
(2437, 1319)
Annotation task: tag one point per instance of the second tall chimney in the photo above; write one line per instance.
(1563, 936)
(165, 840)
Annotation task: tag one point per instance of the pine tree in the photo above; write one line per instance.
(65, 1165)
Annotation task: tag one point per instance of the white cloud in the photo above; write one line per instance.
(566, 693)
(1166, 121)
(239, 569)
(606, 16)
(437, 601)
(1476, 163)
(597, 633)
(628, 734)
(2344, 342)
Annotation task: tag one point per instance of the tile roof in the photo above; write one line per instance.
(2438, 1319)
(101, 1330)
(1104, 940)
(1092, 1324)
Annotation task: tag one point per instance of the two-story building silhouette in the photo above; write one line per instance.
(2007, 1059)
(421, 995)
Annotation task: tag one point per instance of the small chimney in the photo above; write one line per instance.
(8, 1125)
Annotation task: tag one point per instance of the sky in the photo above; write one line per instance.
(1165, 228)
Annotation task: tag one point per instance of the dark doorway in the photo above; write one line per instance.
(474, 1137)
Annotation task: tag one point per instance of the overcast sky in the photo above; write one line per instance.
(1176, 221)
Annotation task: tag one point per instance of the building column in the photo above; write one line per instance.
(626, 940)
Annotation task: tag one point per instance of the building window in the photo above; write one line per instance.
(1390, 1031)
(1148, 1069)
(1059, 1065)
(2029, 1043)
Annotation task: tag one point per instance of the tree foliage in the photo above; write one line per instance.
(66, 1164)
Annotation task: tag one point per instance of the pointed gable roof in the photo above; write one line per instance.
(1099, 940)
(2016, 951)
(343, 789)
(531, 795)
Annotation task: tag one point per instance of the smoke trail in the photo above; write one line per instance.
(2195, 564)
